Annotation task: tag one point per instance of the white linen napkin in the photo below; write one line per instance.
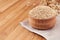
(52, 34)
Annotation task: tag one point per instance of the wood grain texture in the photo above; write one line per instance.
(4, 4)
(10, 29)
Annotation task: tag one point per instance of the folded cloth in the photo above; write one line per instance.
(52, 34)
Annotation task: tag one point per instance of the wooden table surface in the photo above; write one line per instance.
(11, 13)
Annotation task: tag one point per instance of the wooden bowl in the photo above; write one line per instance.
(43, 24)
(42, 17)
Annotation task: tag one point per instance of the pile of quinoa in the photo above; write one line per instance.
(42, 12)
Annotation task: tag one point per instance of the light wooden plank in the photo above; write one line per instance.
(7, 30)
(4, 4)
(18, 14)
(15, 33)
(25, 36)
(38, 37)
(10, 10)
(6, 16)
(10, 29)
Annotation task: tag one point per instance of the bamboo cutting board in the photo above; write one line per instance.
(10, 29)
